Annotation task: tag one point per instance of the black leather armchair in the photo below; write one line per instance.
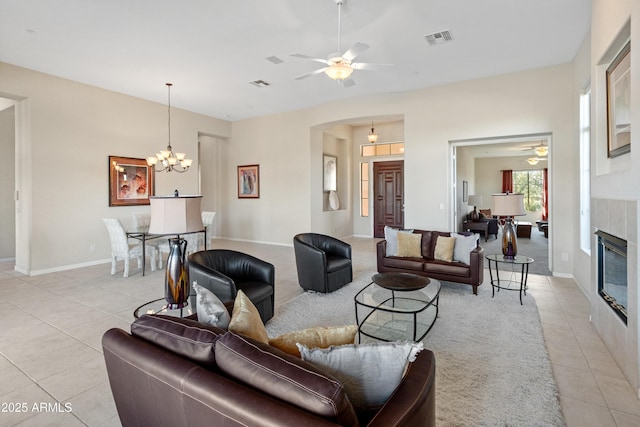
(323, 262)
(224, 271)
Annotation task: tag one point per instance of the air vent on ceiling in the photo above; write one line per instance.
(260, 83)
(439, 37)
(274, 59)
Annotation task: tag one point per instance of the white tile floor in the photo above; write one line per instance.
(51, 326)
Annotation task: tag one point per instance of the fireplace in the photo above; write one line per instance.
(612, 272)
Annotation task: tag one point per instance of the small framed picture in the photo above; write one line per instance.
(330, 173)
(619, 103)
(130, 181)
(249, 182)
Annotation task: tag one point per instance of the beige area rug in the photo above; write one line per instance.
(492, 367)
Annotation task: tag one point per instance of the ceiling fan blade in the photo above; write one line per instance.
(299, 55)
(369, 66)
(348, 82)
(355, 50)
(313, 73)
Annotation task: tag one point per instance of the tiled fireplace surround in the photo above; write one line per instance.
(619, 218)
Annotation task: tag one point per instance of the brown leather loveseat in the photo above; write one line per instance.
(426, 265)
(178, 372)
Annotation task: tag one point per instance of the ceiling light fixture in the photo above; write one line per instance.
(541, 150)
(373, 136)
(533, 161)
(339, 69)
(168, 160)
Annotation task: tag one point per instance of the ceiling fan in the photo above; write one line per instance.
(339, 66)
(540, 150)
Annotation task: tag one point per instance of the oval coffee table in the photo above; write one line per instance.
(397, 306)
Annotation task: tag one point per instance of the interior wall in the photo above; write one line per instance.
(62, 169)
(389, 129)
(465, 171)
(534, 101)
(7, 180)
(615, 180)
(210, 177)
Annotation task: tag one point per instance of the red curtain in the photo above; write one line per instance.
(507, 181)
(545, 194)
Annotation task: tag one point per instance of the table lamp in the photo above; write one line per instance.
(508, 205)
(475, 201)
(176, 215)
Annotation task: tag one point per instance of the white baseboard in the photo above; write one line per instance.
(63, 267)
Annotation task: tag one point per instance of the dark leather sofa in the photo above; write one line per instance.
(224, 272)
(181, 373)
(323, 262)
(427, 265)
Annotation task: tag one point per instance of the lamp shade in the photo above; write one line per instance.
(474, 200)
(175, 215)
(506, 204)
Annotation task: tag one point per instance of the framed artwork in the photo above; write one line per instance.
(465, 191)
(249, 182)
(130, 181)
(330, 171)
(619, 104)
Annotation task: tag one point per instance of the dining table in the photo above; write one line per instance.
(143, 235)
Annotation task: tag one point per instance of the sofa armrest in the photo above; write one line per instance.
(477, 265)
(413, 403)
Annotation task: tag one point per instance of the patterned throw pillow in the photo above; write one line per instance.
(210, 309)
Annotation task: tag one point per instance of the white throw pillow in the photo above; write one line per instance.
(391, 236)
(370, 373)
(464, 246)
(210, 309)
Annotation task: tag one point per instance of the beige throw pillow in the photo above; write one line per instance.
(409, 245)
(444, 248)
(245, 319)
(318, 337)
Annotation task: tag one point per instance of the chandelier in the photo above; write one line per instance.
(373, 136)
(168, 160)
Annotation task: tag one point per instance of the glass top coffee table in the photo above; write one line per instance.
(397, 306)
(159, 306)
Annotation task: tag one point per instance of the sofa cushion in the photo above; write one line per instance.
(409, 245)
(463, 247)
(210, 309)
(403, 263)
(444, 248)
(246, 320)
(285, 377)
(320, 336)
(447, 268)
(187, 338)
(369, 372)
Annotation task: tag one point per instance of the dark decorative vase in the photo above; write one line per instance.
(509, 240)
(177, 276)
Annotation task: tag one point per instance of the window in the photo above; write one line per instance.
(393, 148)
(585, 171)
(529, 183)
(364, 189)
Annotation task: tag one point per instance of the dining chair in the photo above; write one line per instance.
(121, 248)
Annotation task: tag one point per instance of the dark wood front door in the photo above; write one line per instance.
(388, 190)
